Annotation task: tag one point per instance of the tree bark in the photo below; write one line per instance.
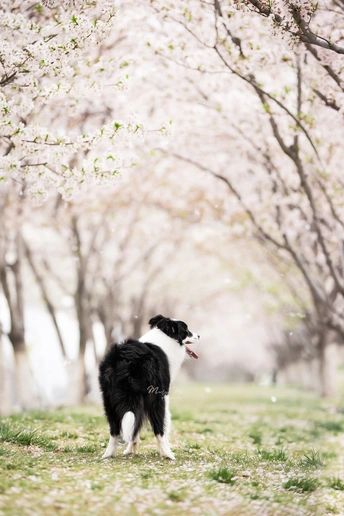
(5, 382)
(83, 389)
(327, 371)
(106, 317)
(15, 299)
(24, 378)
(83, 338)
(83, 312)
(44, 291)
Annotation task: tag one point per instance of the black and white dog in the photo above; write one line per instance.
(135, 378)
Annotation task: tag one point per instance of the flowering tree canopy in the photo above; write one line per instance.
(313, 23)
(58, 76)
(270, 102)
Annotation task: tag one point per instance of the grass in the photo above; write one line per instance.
(335, 483)
(24, 437)
(302, 484)
(224, 475)
(273, 455)
(312, 459)
(237, 454)
(332, 426)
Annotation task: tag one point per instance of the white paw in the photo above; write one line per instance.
(107, 455)
(169, 455)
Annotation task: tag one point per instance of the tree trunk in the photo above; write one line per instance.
(83, 387)
(107, 322)
(85, 337)
(45, 296)
(77, 382)
(25, 384)
(5, 382)
(137, 323)
(83, 313)
(15, 299)
(327, 365)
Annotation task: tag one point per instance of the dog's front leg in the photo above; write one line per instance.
(164, 440)
(167, 419)
(164, 447)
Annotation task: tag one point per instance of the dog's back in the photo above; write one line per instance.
(133, 367)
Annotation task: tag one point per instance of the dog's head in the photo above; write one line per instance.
(177, 330)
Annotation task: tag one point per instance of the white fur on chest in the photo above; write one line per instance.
(174, 351)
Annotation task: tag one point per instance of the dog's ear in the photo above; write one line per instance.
(169, 327)
(154, 321)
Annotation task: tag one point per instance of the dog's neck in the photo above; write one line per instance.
(174, 351)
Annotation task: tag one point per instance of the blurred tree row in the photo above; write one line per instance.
(255, 146)
(286, 175)
(82, 258)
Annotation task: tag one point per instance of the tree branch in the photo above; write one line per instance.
(235, 39)
(305, 34)
(309, 37)
(41, 283)
(315, 289)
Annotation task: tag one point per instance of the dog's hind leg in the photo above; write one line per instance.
(160, 419)
(111, 447)
(115, 431)
(133, 446)
(131, 426)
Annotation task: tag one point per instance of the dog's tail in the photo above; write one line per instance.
(128, 423)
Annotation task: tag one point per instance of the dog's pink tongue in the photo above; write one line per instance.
(191, 353)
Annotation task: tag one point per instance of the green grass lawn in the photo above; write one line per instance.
(240, 450)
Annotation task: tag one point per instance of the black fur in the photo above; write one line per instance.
(177, 330)
(134, 376)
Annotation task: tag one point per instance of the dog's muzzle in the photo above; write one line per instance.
(190, 340)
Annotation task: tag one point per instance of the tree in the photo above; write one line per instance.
(94, 257)
(312, 23)
(60, 131)
(57, 79)
(292, 195)
(11, 277)
(5, 391)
